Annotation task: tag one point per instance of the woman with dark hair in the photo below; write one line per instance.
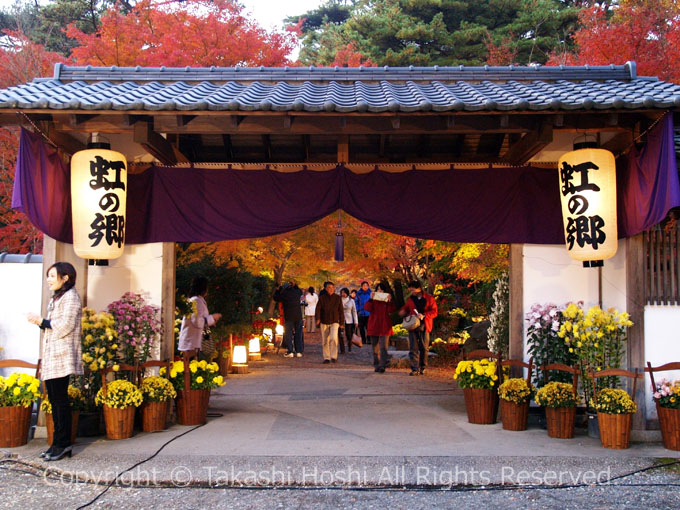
(311, 299)
(351, 319)
(61, 352)
(379, 328)
(193, 326)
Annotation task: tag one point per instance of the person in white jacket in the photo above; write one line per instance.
(351, 320)
(191, 334)
(311, 299)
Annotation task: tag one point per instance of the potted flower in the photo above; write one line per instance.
(615, 410)
(515, 395)
(77, 402)
(478, 380)
(667, 398)
(138, 324)
(17, 394)
(157, 393)
(119, 398)
(559, 400)
(456, 314)
(193, 389)
(544, 344)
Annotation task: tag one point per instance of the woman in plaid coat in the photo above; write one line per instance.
(61, 352)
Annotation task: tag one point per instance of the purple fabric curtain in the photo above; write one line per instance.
(501, 205)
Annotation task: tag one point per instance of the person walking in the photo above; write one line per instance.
(362, 297)
(329, 315)
(424, 306)
(61, 352)
(351, 320)
(289, 295)
(379, 328)
(310, 310)
(194, 326)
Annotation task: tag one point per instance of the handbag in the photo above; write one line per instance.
(356, 340)
(410, 322)
(207, 344)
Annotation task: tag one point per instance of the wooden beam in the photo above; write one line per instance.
(287, 122)
(235, 121)
(530, 145)
(154, 143)
(516, 287)
(64, 141)
(79, 119)
(343, 149)
(396, 122)
(168, 277)
(635, 306)
(183, 120)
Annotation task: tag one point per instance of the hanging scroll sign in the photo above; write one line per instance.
(588, 194)
(98, 196)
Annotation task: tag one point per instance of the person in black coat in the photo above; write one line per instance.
(289, 296)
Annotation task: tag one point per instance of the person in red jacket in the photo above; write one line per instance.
(424, 306)
(379, 327)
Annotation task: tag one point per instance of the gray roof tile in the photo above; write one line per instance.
(379, 89)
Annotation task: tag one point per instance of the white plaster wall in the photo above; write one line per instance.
(139, 270)
(662, 345)
(20, 293)
(551, 276)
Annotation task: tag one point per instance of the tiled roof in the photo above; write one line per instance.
(376, 89)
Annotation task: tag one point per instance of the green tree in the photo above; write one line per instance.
(443, 32)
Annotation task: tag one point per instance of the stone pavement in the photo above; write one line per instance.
(296, 422)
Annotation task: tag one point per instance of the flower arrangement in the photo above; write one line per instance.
(203, 375)
(480, 374)
(667, 393)
(75, 397)
(544, 344)
(120, 394)
(614, 401)
(19, 389)
(157, 389)
(99, 344)
(597, 338)
(398, 330)
(457, 312)
(556, 394)
(516, 390)
(499, 327)
(138, 324)
(451, 346)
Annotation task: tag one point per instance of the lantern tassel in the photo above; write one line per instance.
(339, 247)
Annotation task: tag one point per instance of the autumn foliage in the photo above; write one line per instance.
(192, 33)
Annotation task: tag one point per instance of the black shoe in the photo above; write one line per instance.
(422, 371)
(47, 452)
(381, 370)
(413, 372)
(333, 360)
(60, 453)
(326, 361)
(376, 369)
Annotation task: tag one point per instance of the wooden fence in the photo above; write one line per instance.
(662, 264)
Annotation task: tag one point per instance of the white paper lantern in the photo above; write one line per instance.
(588, 194)
(240, 356)
(254, 345)
(268, 334)
(279, 329)
(98, 199)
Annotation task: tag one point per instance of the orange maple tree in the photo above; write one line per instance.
(644, 31)
(190, 33)
(20, 61)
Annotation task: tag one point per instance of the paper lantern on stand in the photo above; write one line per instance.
(254, 353)
(239, 360)
(587, 178)
(98, 201)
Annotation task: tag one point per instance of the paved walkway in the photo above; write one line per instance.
(299, 422)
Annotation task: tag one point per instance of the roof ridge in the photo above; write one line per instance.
(312, 73)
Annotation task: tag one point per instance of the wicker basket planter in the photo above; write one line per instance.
(154, 415)
(514, 416)
(192, 406)
(481, 405)
(560, 421)
(669, 421)
(49, 423)
(120, 423)
(14, 424)
(615, 429)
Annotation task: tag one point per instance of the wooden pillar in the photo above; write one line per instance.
(55, 251)
(343, 149)
(168, 302)
(516, 315)
(635, 306)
